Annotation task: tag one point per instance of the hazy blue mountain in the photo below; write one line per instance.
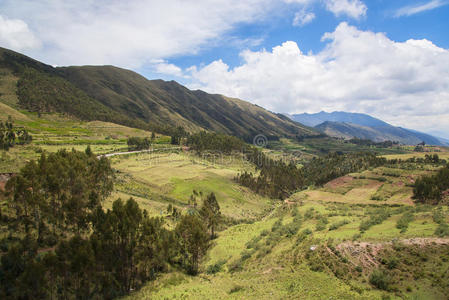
(349, 125)
(337, 116)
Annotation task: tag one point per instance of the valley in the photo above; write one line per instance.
(302, 215)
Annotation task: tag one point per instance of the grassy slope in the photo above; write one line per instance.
(162, 101)
(276, 274)
(112, 94)
(162, 178)
(169, 177)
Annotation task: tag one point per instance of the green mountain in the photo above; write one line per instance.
(121, 96)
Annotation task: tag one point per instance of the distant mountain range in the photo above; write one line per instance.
(349, 125)
(112, 94)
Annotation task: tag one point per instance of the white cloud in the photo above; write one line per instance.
(303, 17)
(162, 67)
(351, 8)
(404, 83)
(16, 35)
(417, 8)
(129, 33)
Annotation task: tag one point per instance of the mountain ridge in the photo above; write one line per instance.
(109, 93)
(349, 125)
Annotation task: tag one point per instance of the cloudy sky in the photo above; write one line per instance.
(389, 59)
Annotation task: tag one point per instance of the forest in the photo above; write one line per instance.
(278, 179)
(63, 244)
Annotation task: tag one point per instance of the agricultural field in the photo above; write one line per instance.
(359, 236)
(168, 177)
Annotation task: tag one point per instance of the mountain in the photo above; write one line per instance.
(121, 96)
(377, 134)
(349, 125)
(338, 116)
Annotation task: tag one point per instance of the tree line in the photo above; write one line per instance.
(366, 142)
(138, 143)
(279, 179)
(434, 188)
(63, 244)
(203, 141)
(10, 135)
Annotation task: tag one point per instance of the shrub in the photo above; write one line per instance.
(380, 279)
(215, 268)
(403, 222)
(442, 230)
(235, 289)
(338, 224)
(303, 235)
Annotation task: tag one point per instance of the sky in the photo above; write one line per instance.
(389, 59)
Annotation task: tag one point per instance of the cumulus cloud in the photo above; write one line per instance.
(352, 8)
(417, 8)
(303, 17)
(404, 83)
(129, 33)
(16, 35)
(163, 67)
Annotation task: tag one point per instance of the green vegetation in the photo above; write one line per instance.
(137, 143)
(347, 228)
(9, 137)
(432, 189)
(215, 142)
(278, 179)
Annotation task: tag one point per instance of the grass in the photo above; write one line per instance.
(266, 263)
(172, 177)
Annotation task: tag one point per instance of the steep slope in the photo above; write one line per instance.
(337, 116)
(121, 96)
(169, 102)
(377, 134)
(38, 88)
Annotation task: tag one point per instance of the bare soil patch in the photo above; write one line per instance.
(338, 182)
(366, 254)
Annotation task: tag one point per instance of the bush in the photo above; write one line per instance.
(303, 235)
(235, 289)
(380, 279)
(403, 222)
(442, 230)
(338, 224)
(215, 268)
(377, 217)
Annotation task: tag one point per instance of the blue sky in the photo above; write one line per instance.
(389, 59)
(432, 24)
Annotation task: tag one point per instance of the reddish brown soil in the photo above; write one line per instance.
(340, 181)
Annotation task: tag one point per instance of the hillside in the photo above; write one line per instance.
(376, 134)
(337, 116)
(121, 96)
(348, 125)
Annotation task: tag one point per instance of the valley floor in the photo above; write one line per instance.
(360, 236)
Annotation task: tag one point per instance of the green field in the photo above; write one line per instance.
(263, 250)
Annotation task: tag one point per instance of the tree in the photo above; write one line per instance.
(193, 241)
(177, 135)
(137, 143)
(210, 212)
